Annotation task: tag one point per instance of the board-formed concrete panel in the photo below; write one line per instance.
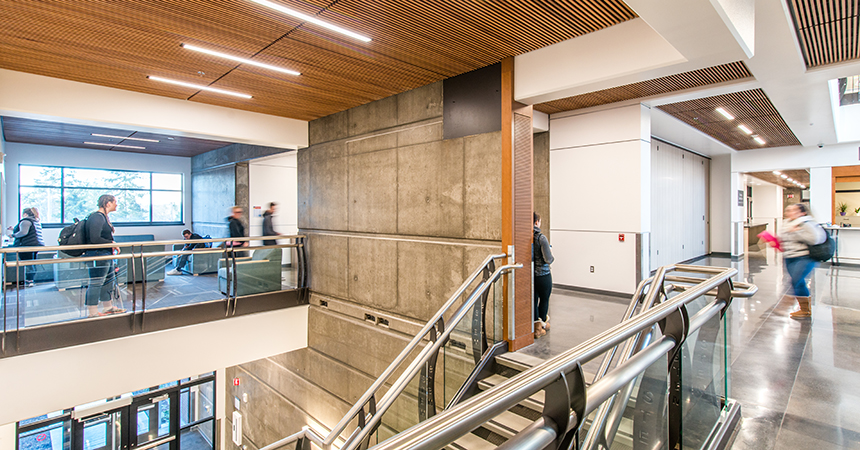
(420, 133)
(329, 195)
(373, 272)
(419, 104)
(328, 128)
(483, 178)
(541, 179)
(303, 176)
(372, 143)
(430, 190)
(429, 273)
(373, 192)
(333, 376)
(373, 116)
(327, 150)
(328, 258)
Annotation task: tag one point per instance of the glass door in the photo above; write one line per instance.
(102, 431)
(153, 425)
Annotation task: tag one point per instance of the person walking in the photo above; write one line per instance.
(183, 259)
(542, 258)
(268, 225)
(798, 234)
(237, 229)
(102, 273)
(28, 233)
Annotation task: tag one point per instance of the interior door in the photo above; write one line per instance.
(154, 422)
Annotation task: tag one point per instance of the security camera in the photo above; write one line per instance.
(820, 145)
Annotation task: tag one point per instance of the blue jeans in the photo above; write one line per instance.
(798, 269)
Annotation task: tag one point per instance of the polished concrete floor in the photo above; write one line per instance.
(797, 380)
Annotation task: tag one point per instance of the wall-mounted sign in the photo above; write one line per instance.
(740, 197)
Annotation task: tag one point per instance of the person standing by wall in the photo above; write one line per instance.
(237, 229)
(268, 224)
(542, 258)
(28, 233)
(798, 234)
(102, 273)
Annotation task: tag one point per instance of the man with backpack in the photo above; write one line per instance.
(542, 258)
(183, 259)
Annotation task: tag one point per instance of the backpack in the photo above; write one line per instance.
(74, 234)
(207, 244)
(823, 251)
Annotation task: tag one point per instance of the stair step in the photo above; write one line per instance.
(518, 361)
(470, 442)
(535, 402)
(507, 424)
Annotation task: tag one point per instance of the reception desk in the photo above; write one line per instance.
(847, 244)
(751, 232)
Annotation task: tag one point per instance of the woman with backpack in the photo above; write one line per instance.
(798, 234)
(28, 233)
(102, 273)
(542, 258)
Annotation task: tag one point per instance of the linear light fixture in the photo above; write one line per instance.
(115, 145)
(122, 137)
(238, 59)
(783, 176)
(311, 19)
(759, 140)
(725, 113)
(776, 172)
(197, 86)
(745, 129)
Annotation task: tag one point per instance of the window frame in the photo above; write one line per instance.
(62, 187)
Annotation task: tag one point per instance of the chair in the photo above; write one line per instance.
(254, 275)
(198, 264)
(41, 273)
(155, 265)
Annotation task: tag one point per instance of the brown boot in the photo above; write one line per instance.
(539, 330)
(804, 310)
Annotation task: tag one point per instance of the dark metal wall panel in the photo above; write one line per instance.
(472, 103)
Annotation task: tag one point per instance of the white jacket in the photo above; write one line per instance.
(799, 234)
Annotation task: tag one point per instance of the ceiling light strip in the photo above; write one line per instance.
(759, 140)
(123, 137)
(311, 19)
(198, 86)
(115, 145)
(745, 129)
(725, 113)
(238, 59)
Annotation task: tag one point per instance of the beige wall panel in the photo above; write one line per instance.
(483, 177)
(373, 272)
(373, 192)
(430, 190)
(328, 258)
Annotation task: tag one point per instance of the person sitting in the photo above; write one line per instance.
(183, 259)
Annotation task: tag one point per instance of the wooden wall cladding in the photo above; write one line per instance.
(415, 42)
(828, 30)
(751, 108)
(687, 80)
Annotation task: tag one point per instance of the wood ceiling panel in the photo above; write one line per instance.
(828, 30)
(687, 80)
(29, 131)
(750, 108)
(801, 175)
(117, 44)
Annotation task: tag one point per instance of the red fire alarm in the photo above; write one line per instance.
(620, 238)
(235, 381)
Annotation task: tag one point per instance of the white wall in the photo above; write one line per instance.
(821, 193)
(767, 205)
(679, 204)
(720, 194)
(275, 179)
(17, 153)
(600, 169)
(43, 382)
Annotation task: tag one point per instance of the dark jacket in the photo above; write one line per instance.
(99, 231)
(269, 228)
(192, 246)
(28, 233)
(237, 228)
(542, 253)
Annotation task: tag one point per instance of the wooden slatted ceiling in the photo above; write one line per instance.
(801, 175)
(687, 80)
(29, 131)
(828, 30)
(751, 108)
(415, 42)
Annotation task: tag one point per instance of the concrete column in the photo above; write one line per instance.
(600, 198)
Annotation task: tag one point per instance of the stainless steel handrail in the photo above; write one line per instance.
(371, 391)
(449, 425)
(51, 248)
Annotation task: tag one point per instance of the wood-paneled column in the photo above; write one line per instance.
(517, 210)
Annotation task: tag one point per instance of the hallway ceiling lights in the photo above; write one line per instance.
(116, 145)
(238, 59)
(759, 140)
(124, 138)
(776, 172)
(745, 129)
(725, 113)
(783, 176)
(197, 86)
(311, 19)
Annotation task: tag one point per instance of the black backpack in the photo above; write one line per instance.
(823, 251)
(74, 234)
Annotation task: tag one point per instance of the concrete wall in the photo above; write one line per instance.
(396, 217)
(541, 180)
(214, 191)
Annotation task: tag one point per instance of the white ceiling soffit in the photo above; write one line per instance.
(669, 129)
(695, 35)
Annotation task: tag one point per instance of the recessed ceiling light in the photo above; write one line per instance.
(790, 179)
(123, 137)
(311, 19)
(725, 113)
(238, 59)
(745, 129)
(803, 186)
(197, 86)
(115, 145)
(783, 176)
(776, 172)
(759, 140)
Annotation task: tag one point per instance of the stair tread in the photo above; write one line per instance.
(471, 442)
(535, 401)
(518, 361)
(507, 424)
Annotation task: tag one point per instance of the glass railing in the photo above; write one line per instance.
(139, 278)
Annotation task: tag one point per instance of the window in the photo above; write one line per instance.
(64, 193)
(849, 90)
